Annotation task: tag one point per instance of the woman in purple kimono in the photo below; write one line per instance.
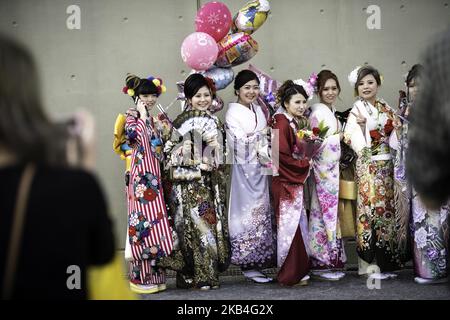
(250, 217)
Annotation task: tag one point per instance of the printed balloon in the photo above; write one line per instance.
(199, 51)
(213, 18)
(251, 16)
(222, 77)
(235, 49)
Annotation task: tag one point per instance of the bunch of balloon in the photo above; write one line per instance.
(213, 23)
(239, 47)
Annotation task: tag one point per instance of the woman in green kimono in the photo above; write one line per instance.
(197, 193)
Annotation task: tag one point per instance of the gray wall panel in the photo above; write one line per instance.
(86, 67)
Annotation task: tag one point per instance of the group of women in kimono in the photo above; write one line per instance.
(282, 208)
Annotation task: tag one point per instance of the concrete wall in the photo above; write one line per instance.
(86, 67)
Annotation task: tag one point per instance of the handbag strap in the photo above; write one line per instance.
(17, 228)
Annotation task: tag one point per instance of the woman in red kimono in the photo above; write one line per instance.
(287, 186)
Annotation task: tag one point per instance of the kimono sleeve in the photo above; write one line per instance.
(353, 135)
(238, 140)
(290, 168)
(134, 127)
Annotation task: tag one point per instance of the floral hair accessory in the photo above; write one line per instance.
(353, 76)
(309, 86)
(132, 83)
(158, 84)
(128, 91)
(313, 81)
(211, 85)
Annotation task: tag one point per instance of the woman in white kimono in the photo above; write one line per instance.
(367, 132)
(326, 245)
(250, 217)
(429, 227)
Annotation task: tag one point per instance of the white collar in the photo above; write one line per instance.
(323, 106)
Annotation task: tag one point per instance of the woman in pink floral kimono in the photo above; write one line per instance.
(327, 251)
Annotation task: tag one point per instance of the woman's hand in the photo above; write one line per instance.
(396, 123)
(142, 109)
(81, 144)
(360, 119)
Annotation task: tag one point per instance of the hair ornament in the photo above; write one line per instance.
(353, 76)
(158, 84)
(309, 86)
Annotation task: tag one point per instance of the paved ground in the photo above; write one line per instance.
(351, 287)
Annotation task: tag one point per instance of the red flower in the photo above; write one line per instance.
(379, 210)
(210, 216)
(375, 134)
(124, 90)
(316, 131)
(132, 231)
(388, 127)
(160, 215)
(149, 194)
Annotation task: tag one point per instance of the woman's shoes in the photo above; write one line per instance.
(420, 280)
(147, 288)
(328, 275)
(391, 275)
(144, 288)
(256, 276)
(304, 281)
(381, 275)
(205, 288)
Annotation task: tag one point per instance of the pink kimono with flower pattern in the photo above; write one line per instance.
(326, 246)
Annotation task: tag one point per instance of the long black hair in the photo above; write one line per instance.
(25, 130)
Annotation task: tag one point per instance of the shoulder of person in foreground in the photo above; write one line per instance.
(80, 194)
(429, 129)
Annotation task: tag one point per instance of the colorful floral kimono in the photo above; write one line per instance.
(149, 233)
(290, 213)
(197, 206)
(250, 217)
(326, 245)
(376, 219)
(430, 234)
(429, 228)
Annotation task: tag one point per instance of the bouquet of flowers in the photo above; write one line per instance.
(309, 141)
